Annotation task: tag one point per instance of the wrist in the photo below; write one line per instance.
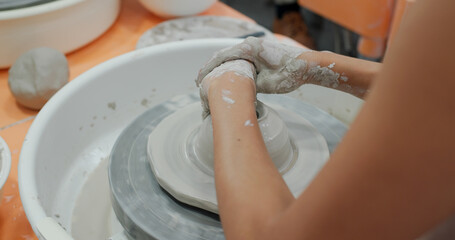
(313, 57)
(231, 97)
(242, 88)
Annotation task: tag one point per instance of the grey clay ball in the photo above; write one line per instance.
(37, 75)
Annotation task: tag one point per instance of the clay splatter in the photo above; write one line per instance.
(331, 65)
(225, 94)
(145, 102)
(228, 100)
(248, 123)
(112, 105)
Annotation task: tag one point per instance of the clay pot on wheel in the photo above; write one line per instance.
(274, 132)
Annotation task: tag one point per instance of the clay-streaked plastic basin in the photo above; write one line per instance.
(78, 126)
(64, 25)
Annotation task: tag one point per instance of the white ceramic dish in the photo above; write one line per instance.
(5, 164)
(64, 25)
(176, 8)
(75, 131)
(199, 27)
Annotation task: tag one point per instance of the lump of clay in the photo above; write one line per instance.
(37, 75)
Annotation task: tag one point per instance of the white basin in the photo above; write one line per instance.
(176, 8)
(77, 128)
(64, 25)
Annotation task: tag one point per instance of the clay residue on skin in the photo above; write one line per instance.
(274, 63)
(225, 95)
(228, 100)
(326, 77)
(248, 123)
(286, 71)
(323, 76)
(344, 78)
(331, 65)
(112, 105)
(274, 54)
(236, 66)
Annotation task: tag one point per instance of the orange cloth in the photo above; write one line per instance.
(133, 20)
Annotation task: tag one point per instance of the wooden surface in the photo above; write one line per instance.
(15, 120)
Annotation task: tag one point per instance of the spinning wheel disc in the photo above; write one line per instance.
(145, 210)
(185, 176)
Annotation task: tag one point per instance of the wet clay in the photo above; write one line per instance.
(280, 68)
(37, 75)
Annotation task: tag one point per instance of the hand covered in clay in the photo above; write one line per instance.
(278, 68)
(244, 70)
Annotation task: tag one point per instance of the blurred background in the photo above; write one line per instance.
(326, 34)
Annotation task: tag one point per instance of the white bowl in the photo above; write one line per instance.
(77, 128)
(5, 164)
(64, 25)
(176, 8)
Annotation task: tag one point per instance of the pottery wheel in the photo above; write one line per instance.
(180, 171)
(15, 4)
(146, 210)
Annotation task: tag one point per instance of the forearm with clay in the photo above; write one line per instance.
(347, 74)
(239, 150)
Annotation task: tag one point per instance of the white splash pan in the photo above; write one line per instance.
(77, 128)
(64, 25)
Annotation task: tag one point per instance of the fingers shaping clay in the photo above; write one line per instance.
(37, 75)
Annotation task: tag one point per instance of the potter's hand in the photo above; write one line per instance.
(233, 72)
(278, 68)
